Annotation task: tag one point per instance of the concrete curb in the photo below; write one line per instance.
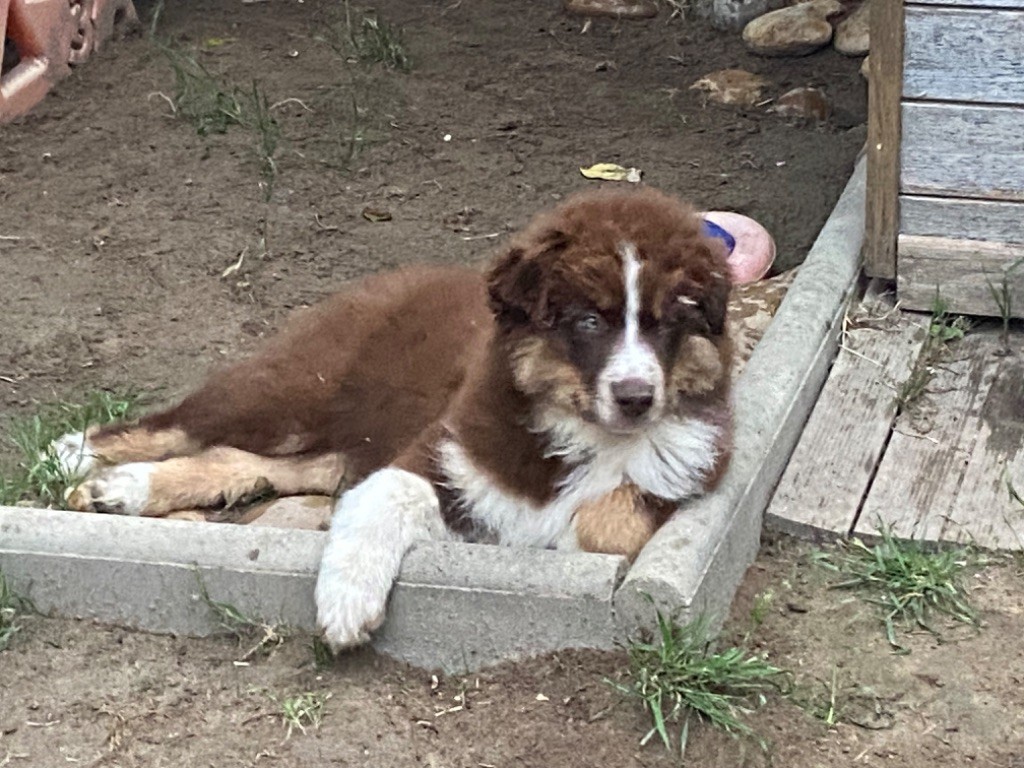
(695, 562)
(460, 606)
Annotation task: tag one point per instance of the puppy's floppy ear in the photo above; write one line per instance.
(714, 301)
(517, 283)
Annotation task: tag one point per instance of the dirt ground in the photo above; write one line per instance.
(73, 693)
(117, 221)
(117, 226)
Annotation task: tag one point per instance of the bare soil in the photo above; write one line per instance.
(71, 692)
(118, 223)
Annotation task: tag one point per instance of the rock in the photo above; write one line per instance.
(732, 86)
(620, 9)
(794, 31)
(312, 513)
(865, 68)
(808, 103)
(853, 33)
(733, 15)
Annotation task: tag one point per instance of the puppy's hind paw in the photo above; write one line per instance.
(122, 490)
(73, 453)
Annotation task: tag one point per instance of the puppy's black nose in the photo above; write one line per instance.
(633, 396)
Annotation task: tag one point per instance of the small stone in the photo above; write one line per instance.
(853, 33)
(620, 9)
(808, 103)
(865, 68)
(732, 86)
(311, 513)
(794, 31)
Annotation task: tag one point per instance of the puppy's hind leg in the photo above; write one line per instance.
(374, 525)
(81, 452)
(216, 476)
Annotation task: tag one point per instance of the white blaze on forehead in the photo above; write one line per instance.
(632, 358)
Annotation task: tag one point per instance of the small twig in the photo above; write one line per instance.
(862, 356)
(11, 238)
(293, 100)
(929, 438)
(324, 227)
(491, 236)
(165, 97)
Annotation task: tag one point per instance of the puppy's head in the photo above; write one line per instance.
(613, 307)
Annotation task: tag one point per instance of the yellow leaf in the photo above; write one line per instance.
(611, 172)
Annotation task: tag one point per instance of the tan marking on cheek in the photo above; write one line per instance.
(615, 524)
(539, 372)
(140, 444)
(699, 367)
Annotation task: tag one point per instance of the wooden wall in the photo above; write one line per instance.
(961, 160)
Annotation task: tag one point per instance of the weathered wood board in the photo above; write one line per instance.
(831, 469)
(962, 219)
(943, 473)
(955, 54)
(963, 151)
(883, 146)
(963, 272)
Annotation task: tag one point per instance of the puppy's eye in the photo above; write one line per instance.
(589, 323)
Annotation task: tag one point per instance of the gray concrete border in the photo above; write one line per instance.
(460, 606)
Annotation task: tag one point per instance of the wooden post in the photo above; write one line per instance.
(885, 88)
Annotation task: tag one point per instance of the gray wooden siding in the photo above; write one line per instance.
(953, 54)
(963, 151)
(963, 219)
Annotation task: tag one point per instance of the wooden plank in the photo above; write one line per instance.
(973, 3)
(963, 151)
(955, 54)
(926, 459)
(830, 470)
(883, 146)
(962, 219)
(984, 511)
(964, 272)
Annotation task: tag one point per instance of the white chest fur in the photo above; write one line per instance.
(669, 460)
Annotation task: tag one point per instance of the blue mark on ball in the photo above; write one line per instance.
(713, 230)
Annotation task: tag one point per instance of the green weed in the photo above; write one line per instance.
(676, 675)
(908, 582)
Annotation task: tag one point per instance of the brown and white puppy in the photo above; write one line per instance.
(568, 399)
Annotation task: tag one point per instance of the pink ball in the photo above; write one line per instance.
(754, 253)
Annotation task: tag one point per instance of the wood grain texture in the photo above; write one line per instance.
(924, 464)
(964, 272)
(831, 469)
(963, 151)
(955, 54)
(945, 471)
(962, 219)
(883, 147)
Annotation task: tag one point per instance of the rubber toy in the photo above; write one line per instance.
(751, 250)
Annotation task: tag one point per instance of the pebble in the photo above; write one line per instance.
(808, 103)
(620, 9)
(853, 33)
(794, 31)
(732, 86)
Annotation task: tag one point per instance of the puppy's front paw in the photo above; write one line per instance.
(121, 490)
(350, 604)
(73, 453)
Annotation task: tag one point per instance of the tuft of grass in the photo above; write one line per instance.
(677, 674)
(375, 41)
(268, 637)
(908, 582)
(213, 106)
(943, 329)
(305, 710)
(837, 701)
(38, 477)
(1003, 297)
(12, 605)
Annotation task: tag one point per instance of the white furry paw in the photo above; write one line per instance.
(350, 603)
(74, 454)
(121, 490)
